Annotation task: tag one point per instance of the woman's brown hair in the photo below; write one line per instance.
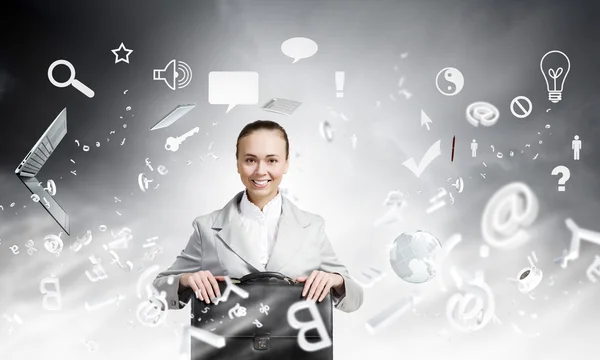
(263, 125)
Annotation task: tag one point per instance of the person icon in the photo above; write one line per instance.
(576, 147)
(474, 147)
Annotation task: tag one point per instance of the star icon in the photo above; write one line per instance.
(121, 48)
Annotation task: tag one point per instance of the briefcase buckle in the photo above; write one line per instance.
(261, 342)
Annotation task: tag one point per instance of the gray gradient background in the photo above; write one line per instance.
(496, 44)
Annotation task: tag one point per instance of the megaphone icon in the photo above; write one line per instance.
(176, 74)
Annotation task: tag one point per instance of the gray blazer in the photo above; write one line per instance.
(220, 244)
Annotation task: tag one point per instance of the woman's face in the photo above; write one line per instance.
(261, 156)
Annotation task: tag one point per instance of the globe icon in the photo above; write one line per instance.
(413, 254)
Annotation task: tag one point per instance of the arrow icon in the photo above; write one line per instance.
(425, 120)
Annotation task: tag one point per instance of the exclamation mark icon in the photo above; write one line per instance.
(340, 76)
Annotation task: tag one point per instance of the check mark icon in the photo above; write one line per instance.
(432, 153)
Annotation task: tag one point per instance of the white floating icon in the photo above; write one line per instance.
(80, 243)
(576, 146)
(142, 281)
(143, 182)
(518, 109)
(205, 336)
(173, 116)
(389, 314)
(149, 164)
(71, 81)
(173, 143)
(30, 248)
(16, 318)
(482, 113)
(474, 147)
(97, 270)
(119, 58)
(122, 239)
(233, 88)
(230, 287)
(127, 265)
(315, 323)
(281, 106)
(475, 290)
(437, 201)
(507, 215)
(51, 187)
(326, 130)
(299, 48)
(264, 309)
(451, 83)
(530, 277)
(593, 271)
(447, 248)
(354, 140)
(152, 312)
(395, 202)
(237, 310)
(401, 91)
(459, 184)
(162, 170)
(555, 74)
(176, 74)
(432, 153)
(425, 120)
(53, 244)
(48, 294)
(565, 175)
(257, 323)
(577, 234)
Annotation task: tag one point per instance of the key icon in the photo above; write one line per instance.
(173, 143)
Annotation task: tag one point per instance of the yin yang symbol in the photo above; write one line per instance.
(451, 83)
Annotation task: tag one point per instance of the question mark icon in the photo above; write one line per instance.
(566, 175)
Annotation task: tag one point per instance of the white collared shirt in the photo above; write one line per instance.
(262, 225)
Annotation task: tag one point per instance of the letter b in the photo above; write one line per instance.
(316, 323)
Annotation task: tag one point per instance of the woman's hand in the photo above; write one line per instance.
(203, 283)
(318, 284)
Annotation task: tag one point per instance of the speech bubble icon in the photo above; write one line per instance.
(299, 48)
(232, 88)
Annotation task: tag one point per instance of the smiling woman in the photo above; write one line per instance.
(262, 153)
(259, 230)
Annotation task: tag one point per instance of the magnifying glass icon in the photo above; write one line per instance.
(71, 81)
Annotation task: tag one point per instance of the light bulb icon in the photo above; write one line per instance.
(555, 66)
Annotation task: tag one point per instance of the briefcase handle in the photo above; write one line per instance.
(265, 276)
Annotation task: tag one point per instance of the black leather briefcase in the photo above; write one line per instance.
(257, 327)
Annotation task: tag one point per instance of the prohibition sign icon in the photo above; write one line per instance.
(518, 109)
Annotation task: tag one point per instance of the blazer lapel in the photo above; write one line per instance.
(232, 232)
(290, 235)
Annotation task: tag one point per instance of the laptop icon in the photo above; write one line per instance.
(33, 162)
